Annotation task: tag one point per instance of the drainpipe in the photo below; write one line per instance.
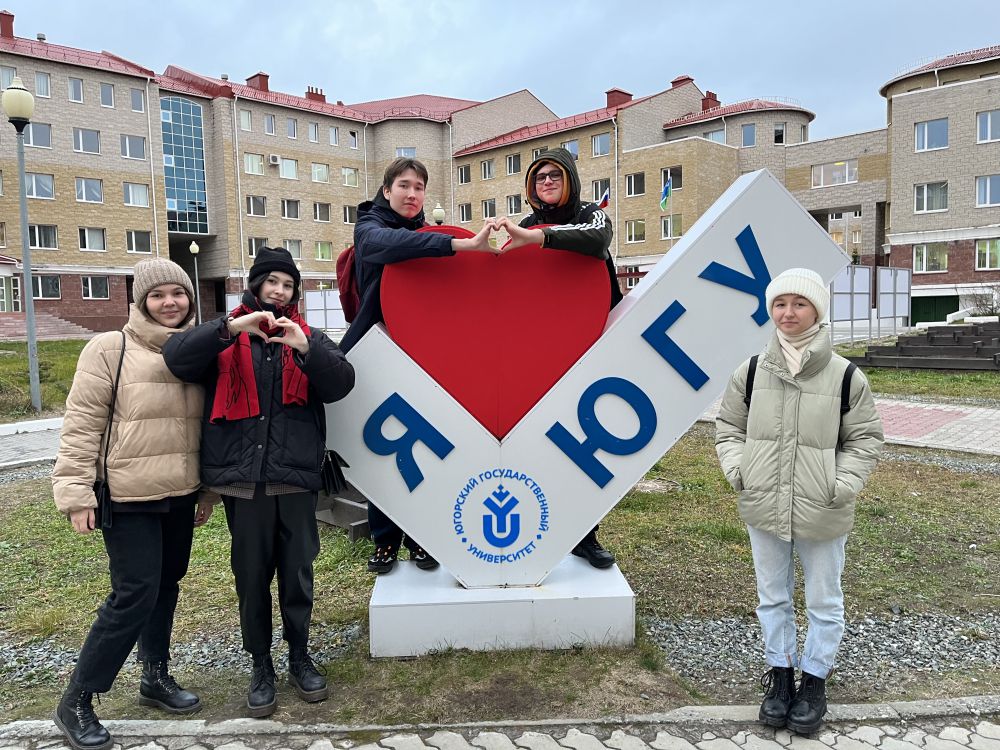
(451, 169)
(364, 142)
(614, 122)
(239, 188)
(152, 173)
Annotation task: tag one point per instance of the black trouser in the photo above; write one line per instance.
(148, 555)
(385, 532)
(271, 535)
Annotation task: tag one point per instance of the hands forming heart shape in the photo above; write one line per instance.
(254, 323)
(519, 237)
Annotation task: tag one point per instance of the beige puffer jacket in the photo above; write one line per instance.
(793, 479)
(156, 435)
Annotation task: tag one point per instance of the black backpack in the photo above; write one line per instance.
(845, 388)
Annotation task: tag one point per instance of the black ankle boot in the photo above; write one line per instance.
(807, 711)
(76, 719)
(261, 698)
(591, 550)
(305, 676)
(157, 688)
(779, 690)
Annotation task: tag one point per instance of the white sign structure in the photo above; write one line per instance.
(505, 513)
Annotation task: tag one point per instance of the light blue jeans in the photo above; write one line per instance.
(822, 566)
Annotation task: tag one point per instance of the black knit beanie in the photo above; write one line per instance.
(273, 259)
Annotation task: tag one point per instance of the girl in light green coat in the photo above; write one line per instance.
(798, 464)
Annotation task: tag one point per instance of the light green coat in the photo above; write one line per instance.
(783, 457)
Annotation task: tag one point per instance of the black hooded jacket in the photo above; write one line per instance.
(581, 227)
(381, 237)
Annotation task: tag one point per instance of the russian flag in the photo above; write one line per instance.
(605, 199)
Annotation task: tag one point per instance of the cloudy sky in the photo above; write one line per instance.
(829, 57)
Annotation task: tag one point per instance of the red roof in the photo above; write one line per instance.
(72, 56)
(949, 61)
(749, 105)
(424, 106)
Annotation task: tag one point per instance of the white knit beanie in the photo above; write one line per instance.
(805, 283)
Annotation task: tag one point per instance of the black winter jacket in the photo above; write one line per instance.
(284, 444)
(381, 237)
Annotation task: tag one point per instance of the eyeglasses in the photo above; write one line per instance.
(541, 177)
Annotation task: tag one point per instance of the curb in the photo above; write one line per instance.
(972, 707)
(31, 425)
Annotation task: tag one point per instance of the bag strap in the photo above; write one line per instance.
(751, 371)
(845, 389)
(111, 411)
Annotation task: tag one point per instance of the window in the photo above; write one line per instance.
(254, 244)
(314, 132)
(294, 248)
(486, 168)
(89, 190)
(324, 250)
(133, 147)
(7, 74)
(513, 204)
(38, 134)
(92, 238)
(489, 208)
(45, 287)
(600, 144)
(635, 184)
(40, 185)
(292, 127)
(350, 214)
(86, 141)
(835, 173)
(138, 241)
(409, 152)
(988, 126)
(779, 133)
(632, 276)
(321, 212)
(931, 196)
(138, 97)
(3, 234)
(289, 208)
(320, 172)
(836, 216)
(349, 176)
(253, 163)
(76, 90)
(352, 138)
(464, 174)
(536, 152)
(930, 258)
(95, 287)
(670, 227)
(464, 212)
(513, 163)
(256, 205)
(635, 230)
(246, 119)
(987, 191)
(43, 236)
(107, 94)
(855, 236)
(803, 133)
(838, 237)
(749, 135)
(268, 124)
(289, 169)
(857, 213)
(573, 147)
(600, 187)
(675, 175)
(988, 255)
(43, 85)
(931, 135)
(717, 136)
(334, 136)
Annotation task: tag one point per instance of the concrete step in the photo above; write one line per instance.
(47, 327)
(928, 363)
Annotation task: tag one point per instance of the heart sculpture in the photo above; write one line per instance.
(496, 331)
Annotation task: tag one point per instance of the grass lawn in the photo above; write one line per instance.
(679, 542)
(56, 365)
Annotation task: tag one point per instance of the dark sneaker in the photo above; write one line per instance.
(305, 676)
(591, 550)
(383, 559)
(422, 559)
(779, 689)
(76, 719)
(159, 689)
(809, 706)
(262, 699)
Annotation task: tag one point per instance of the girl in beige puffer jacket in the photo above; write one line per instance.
(798, 465)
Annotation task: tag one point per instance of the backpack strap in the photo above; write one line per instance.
(845, 389)
(751, 372)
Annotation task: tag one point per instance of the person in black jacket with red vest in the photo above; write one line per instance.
(552, 187)
(385, 234)
(267, 376)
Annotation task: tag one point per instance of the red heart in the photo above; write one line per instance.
(496, 332)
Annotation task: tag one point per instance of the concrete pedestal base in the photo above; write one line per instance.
(413, 612)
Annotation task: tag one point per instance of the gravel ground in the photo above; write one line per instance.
(23, 474)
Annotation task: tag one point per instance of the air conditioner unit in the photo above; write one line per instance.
(274, 159)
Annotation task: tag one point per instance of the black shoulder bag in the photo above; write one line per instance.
(101, 489)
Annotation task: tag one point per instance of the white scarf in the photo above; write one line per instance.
(794, 346)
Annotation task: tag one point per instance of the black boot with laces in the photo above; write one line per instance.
(76, 719)
(158, 688)
(807, 711)
(779, 690)
(305, 676)
(261, 698)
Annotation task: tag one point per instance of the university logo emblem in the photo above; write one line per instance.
(500, 522)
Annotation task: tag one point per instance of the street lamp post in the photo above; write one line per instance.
(19, 105)
(438, 214)
(193, 247)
